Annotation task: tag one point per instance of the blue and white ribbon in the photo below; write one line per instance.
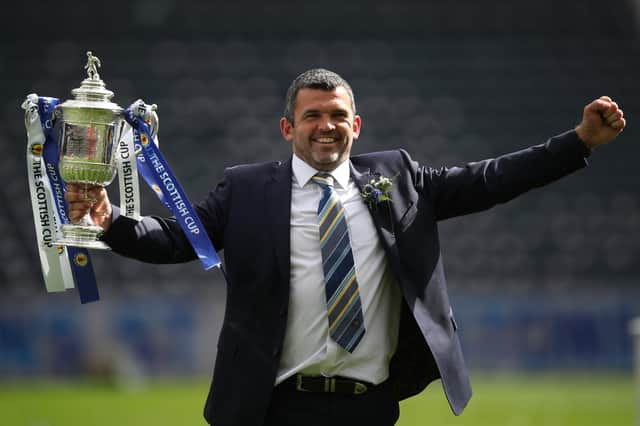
(128, 175)
(42, 144)
(156, 172)
(54, 260)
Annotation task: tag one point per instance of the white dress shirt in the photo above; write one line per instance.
(308, 348)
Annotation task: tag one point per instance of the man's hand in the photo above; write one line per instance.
(93, 199)
(602, 121)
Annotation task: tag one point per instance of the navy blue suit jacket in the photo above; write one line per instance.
(248, 216)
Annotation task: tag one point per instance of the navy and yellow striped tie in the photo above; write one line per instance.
(344, 308)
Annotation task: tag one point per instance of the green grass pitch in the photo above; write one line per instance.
(499, 400)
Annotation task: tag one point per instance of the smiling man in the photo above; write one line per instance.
(337, 305)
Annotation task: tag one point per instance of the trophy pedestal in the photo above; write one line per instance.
(82, 236)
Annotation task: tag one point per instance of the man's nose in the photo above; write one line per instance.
(326, 123)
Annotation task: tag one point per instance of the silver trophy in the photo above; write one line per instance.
(90, 127)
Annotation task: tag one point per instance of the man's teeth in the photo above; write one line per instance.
(325, 140)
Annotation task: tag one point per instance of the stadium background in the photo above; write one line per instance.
(546, 283)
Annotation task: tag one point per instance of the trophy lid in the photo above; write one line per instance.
(92, 92)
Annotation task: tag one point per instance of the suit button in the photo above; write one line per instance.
(283, 311)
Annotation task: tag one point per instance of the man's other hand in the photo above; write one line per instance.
(602, 121)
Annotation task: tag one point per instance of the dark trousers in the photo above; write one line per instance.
(290, 407)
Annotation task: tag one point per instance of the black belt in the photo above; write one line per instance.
(325, 384)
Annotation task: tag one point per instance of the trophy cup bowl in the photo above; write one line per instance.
(89, 128)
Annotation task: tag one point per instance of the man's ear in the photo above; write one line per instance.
(286, 128)
(357, 125)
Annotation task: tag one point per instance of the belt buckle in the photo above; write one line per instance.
(330, 384)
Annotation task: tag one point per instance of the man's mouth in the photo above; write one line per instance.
(326, 140)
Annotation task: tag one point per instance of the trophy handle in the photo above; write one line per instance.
(153, 122)
(148, 114)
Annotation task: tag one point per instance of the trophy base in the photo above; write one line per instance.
(82, 236)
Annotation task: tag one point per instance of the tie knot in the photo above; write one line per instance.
(323, 179)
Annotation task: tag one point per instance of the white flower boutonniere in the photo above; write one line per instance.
(378, 190)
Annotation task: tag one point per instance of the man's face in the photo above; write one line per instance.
(325, 127)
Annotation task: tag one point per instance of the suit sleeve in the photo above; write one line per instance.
(480, 185)
(156, 239)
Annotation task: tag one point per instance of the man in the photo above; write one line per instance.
(337, 306)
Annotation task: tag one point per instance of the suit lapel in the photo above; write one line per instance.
(381, 214)
(278, 208)
(383, 221)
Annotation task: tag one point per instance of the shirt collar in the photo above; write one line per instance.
(303, 172)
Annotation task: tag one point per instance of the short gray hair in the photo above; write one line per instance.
(316, 78)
